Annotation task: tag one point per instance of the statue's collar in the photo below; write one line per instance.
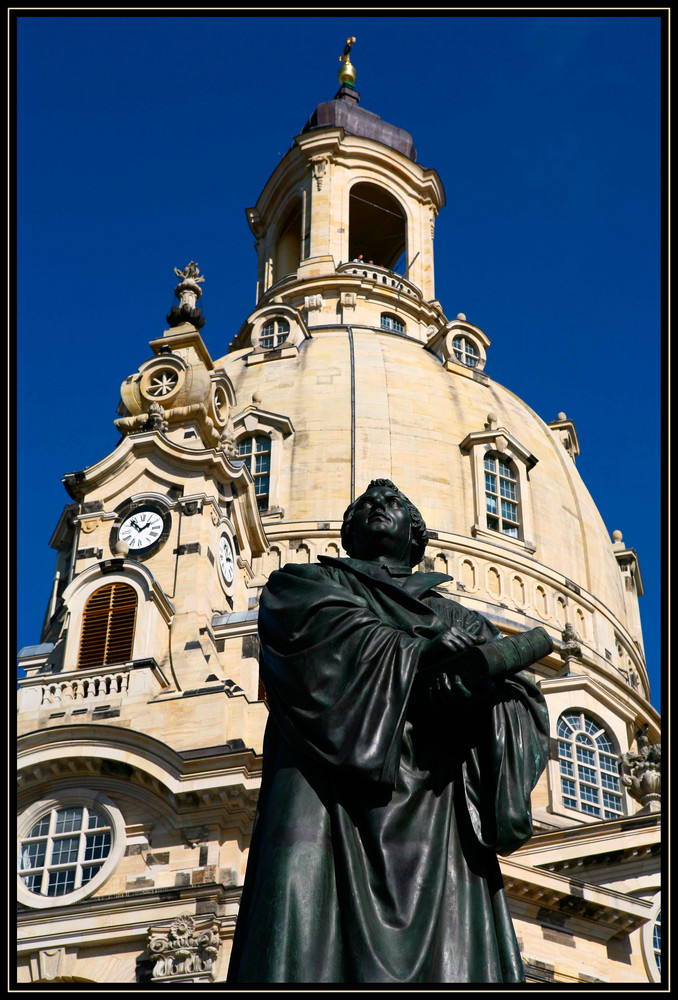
(415, 584)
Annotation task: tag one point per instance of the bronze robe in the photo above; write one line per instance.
(373, 854)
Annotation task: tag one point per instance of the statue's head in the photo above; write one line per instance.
(384, 522)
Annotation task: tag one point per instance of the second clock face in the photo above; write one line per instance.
(142, 528)
(226, 559)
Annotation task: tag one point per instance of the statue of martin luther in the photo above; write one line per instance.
(402, 746)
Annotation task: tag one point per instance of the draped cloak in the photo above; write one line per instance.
(381, 812)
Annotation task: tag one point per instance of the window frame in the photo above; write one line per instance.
(582, 768)
(391, 323)
(258, 476)
(503, 472)
(91, 801)
(278, 335)
(467, 348)
(649, 944)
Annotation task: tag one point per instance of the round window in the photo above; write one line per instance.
(67, 848)
(163, 379)
(466, 351)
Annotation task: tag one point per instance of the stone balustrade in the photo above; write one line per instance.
(85, 689)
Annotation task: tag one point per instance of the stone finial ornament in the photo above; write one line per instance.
(642, 772)
(190, 273)
(188, 292)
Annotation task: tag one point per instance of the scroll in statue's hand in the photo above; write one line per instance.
(458, 660)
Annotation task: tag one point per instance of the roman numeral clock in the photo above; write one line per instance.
(143, 526)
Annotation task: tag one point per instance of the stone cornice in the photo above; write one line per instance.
(67, 751)
(594, 910)
(591, 840)
(124, 912)
(147, 444)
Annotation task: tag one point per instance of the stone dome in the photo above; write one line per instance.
(411, 416)
(349, 370)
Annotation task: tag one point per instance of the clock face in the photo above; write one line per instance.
(142, 528)
(226, 558)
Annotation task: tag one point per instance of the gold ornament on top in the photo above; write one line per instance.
(347, 72)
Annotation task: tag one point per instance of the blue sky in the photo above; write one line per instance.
(140, 142)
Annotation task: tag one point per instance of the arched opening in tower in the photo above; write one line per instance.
(377, 227)
(288, 245)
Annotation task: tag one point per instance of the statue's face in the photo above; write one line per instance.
(381, 524)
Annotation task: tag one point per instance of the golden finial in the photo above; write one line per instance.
(347, 72)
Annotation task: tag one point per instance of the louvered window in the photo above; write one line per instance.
(108, 626)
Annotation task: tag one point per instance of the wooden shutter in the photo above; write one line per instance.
(108, 626)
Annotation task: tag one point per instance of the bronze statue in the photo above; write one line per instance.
(400, 753)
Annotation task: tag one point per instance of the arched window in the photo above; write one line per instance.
(256, 453)
(108, 626)
(274, 333)
(288, 244)
(502, 503)
(64, 850)
(377, 227)
(589, 769)
(657, 941)
(392, 323)
(465, 351)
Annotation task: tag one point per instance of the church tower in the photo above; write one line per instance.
(141, 714)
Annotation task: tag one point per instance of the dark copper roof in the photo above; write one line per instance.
(344, 112)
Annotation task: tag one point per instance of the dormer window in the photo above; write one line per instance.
(274, 333)
(500, 467)
(466, 351)
(392, 323)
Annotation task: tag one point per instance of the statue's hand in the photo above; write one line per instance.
(449, 644)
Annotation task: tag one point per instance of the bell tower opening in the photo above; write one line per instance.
(377, 227)
(288, 245)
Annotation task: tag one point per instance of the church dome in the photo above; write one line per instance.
(349, 349)
(379, 404)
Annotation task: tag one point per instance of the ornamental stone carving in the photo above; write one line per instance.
(642, 772)
(156, 418)
(570, 646)
(185, 950)
(188, 292)
(319, 166)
